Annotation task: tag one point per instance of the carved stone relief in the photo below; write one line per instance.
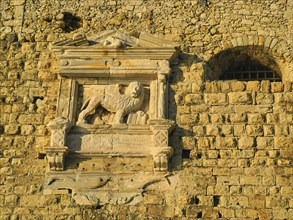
(113, 101)
(112, 105)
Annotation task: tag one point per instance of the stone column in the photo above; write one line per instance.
(57, 150)
(161, 151)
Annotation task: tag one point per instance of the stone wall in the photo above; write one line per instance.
(233, 140)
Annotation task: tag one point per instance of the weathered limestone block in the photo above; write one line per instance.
(237, 118)
(254, 130)
(277, 87)
(225, 142)
(253, 86)
(212, 130)
(279, 98)
(215, 98)
(268, 130)
(238, 86)
(239, 130)
(265, 86)
(12, 129)
(199, 131)
(204, 142)
(254, 118)
(225, 86)
(240, 98)
(193, 99)
(213, 87)
(288, 98)
(264, 98)
(217, 118)
(246, 143)
(188, 143)
(227, 130)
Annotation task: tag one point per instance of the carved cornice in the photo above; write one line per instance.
(108, 55)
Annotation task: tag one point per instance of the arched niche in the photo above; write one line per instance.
(243, 63)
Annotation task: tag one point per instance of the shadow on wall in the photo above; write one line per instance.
(243, 63)
(177, 90)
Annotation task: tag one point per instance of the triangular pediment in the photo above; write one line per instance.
(116, 39)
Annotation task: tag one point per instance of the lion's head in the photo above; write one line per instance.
(134, 89)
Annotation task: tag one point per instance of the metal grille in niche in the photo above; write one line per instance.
(250, 72)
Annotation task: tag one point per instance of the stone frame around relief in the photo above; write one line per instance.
(94, 64)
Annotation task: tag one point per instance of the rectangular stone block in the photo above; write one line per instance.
(264, 98)
(227, 162)
(217, 118)
(193, 99)
(181, 110)
(227, 180)
(254, 130)
(188, 119)
(257, 201)
(272, 118)
(222, 109)
(204, 142)
(215, 98)
(268, 130)
(281, 130)
(198, 108)
(225, 142)
(253, 109)
(277, 87)
(212, 130)
(226, 130)
(255, 118)
(241, 201)
(287, 153)
(280, 213)
(213, 87)
(246, 142)
(282, 142)
(253, 86)
(12, 129)
(204, 118)
(265, 86)
(226, 86)
(246, 154)
(238, 86)
(198, 131)
(237, 118)
(279, 98)
(239, 130)
(240, 98)
(188, 143)
(265, 142)
(250, 180)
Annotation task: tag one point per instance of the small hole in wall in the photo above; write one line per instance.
(199, 215)
(41, 156)
(216, 201)
(186, 154)
(1, 129)
(36, 98)
(183, 212)
(71, 22)
(219, 215)
(98, 206)
(199, 155)
(194, 200)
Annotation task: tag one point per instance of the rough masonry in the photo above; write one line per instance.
(232, 144)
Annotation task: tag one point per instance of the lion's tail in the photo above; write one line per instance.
(84, 105)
